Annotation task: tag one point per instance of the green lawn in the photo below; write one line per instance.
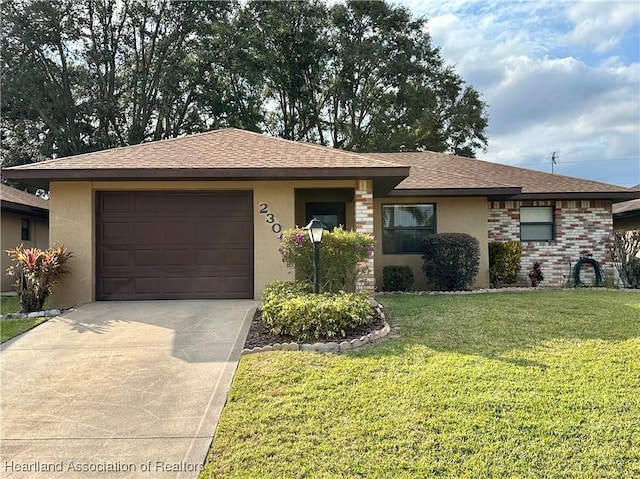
(12, 328)
(9, 304)
(543, 384)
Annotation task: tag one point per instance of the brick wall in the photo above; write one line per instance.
(579, 225)
(364, 224)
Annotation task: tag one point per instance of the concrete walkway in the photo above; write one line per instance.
(119, 389)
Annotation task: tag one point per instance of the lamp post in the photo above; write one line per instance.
(316, 229)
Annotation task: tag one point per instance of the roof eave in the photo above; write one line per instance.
(490, 193)
(579, 195)
(22, 209)
(385, 177)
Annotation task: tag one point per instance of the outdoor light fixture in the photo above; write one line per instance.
(316, 229)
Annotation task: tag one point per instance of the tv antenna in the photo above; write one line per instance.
(554, 156)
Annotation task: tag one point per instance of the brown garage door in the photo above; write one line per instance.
(174, 245)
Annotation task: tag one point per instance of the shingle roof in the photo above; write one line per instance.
(12, 196)
(227, 148)
(441, 172)
(227, 154)
(238, 154)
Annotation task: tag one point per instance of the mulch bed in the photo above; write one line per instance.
(260, 335)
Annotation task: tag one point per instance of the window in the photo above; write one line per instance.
(26, 230)
(536, 223)
(405, 226)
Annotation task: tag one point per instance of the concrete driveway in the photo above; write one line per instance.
(119, 389)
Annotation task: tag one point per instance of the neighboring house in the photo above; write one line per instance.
(25, 219)
(199, 216)
(626, 215)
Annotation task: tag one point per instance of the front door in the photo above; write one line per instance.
(332, 214)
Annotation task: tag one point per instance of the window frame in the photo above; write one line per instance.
(426, 229)
(25, 229)
(551, 223)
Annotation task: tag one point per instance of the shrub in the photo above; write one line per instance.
(289, 308)
(36, 272)
(624, 247)
(633, 274)
(340, 254)
(451, 260)
(535, 275)
(397, 278)
(504, 262)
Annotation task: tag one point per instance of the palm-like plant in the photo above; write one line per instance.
(36, 271)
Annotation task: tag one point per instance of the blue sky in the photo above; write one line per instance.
(557, 75)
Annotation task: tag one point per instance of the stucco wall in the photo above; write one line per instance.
(579, 225)
(453, 215)
(12, 237)
(72, 220)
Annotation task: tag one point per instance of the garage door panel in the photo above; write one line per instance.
(145, 204)
(115, 258)
(174, 245)
(112, 231)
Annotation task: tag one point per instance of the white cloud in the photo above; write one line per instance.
(601, 24)
(552, 78)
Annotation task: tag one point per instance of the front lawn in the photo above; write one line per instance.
(10, 328)
(524, 385)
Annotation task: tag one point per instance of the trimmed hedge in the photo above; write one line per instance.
(451, 260)
(397, 278)
(504, 262)
(290, 308)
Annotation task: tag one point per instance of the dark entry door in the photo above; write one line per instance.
(332, 214)
(174, 245)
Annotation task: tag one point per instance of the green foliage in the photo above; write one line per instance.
(633, 273)
(504, 262)
(36, 271)
(397, 278)
(341, 252)
(451, 260)
(290, 309)
(86, 75)
(10, 328)
(624, 247)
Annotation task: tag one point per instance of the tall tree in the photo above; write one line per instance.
(83, 75)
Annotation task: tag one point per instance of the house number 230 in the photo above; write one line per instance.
(270, 218)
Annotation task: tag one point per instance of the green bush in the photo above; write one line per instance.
(634, 273)
(340, 254)
(397, 278)
(504, 262)
(451, 260)
(289, 308)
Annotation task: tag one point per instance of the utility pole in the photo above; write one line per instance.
(554, 157)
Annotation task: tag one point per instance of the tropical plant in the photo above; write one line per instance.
(36, 271)
(341, 255)
(624, 248)
(535, 275)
